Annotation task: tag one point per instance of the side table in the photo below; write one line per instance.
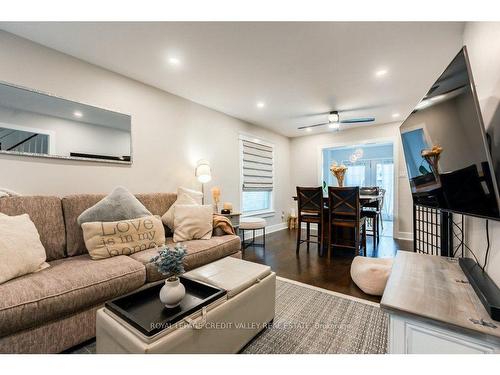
(234, 217)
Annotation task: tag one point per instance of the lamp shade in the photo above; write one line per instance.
(202, 171)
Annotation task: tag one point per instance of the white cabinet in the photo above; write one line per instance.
(410, 336)
(433, 310)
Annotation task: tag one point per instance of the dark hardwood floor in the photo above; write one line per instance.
(310, 268)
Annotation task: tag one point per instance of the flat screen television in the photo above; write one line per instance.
(453, 164)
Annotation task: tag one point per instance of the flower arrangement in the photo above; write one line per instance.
(339, 172)
(170, 261)
(432, 157)
(216, 198)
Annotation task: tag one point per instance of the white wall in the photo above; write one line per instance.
(66, 136)
(305, 159)
(169, 134)
(483, 43)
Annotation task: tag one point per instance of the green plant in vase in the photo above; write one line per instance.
(171, 262)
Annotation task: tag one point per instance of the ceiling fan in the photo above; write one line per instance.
(334, 121)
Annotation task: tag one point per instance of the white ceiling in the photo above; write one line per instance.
(299, 70)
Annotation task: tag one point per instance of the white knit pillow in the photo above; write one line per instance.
(168, 217)
(21, 251)
(193, 222)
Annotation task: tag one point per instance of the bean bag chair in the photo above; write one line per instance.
(371, 274)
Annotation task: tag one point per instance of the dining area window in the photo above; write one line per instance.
(368, 165)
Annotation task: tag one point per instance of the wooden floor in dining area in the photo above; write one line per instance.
(310, 268)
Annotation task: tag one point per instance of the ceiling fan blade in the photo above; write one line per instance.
(356, 120)
(312, 126)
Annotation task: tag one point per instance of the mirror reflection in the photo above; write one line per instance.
(37, 124)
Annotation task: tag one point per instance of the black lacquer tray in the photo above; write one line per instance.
(145, 312)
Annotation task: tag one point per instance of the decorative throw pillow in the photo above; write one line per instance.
(120, 204)
(193, 222)
(184, 196)
(196, 195)
(21, 251)
(125, 237)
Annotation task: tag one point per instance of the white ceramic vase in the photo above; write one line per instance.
(172, 293)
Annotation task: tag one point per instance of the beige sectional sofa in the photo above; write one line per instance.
(54, 309)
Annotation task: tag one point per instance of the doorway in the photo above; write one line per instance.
(370, 164)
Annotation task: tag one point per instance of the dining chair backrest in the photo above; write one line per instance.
(343, 202)
(382, 193)
(310, 200)
(371, 190)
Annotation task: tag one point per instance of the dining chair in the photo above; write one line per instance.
(310, 211)
(344, 212)
(382, 193)
(372, 211)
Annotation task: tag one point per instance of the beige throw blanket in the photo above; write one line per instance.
(223, 224)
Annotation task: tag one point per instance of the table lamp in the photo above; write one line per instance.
(203, 174)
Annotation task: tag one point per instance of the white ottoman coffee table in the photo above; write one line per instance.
(224, 326)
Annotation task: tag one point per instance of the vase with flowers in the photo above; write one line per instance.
(432, 157)
(339, 172)
(170, 262)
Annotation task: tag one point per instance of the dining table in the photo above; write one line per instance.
(364, 199)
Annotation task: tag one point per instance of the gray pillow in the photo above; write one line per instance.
(120, 204)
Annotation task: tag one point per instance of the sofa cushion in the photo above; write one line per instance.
(118, 205)
(74, 205)
(168, 217)
(199, 253)
(125, 237)
(47, 215)
(67, 286)
(21, 251)
(193, 222)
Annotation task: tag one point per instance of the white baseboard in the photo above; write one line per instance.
(404, 236)
(398, 235)
(270, 229)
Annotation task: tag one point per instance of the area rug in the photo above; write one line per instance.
(315, 321)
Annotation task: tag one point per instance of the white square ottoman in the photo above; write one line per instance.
(225, 326)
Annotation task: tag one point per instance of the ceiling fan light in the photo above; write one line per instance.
(333, 117)
(334, 126)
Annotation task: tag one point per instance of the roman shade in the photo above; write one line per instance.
(257, 166)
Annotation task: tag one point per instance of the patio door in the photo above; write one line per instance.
(374, 168)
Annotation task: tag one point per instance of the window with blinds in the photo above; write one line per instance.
(257, 175)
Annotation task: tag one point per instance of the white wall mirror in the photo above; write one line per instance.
(36, 124)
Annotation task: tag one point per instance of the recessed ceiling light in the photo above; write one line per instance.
(77, 114)
(395, 115)
(308, 129)
(381, 72)
(174, 61)
(261, 104)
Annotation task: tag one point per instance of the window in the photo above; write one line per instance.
(257, 163)
(413, 144)
(367, 165)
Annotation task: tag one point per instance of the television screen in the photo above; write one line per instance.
(450, 159)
